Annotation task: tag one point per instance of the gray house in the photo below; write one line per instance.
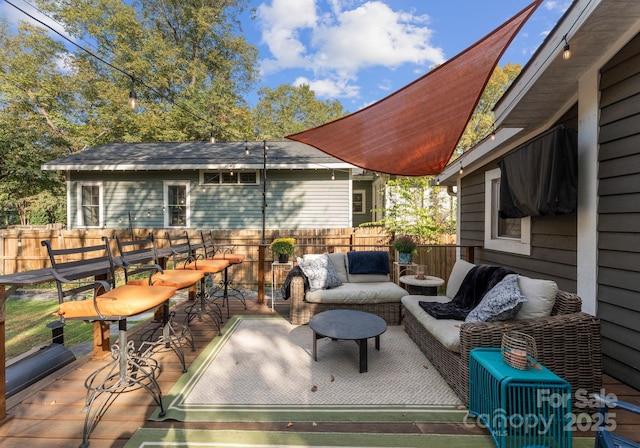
(594, 250)
(213, 185)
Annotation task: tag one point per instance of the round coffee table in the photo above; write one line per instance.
(427, 286)
(349, 325)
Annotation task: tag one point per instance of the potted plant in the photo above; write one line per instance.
(406, 246)
(283, 248)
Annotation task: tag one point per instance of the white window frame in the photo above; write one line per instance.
(520, 246)
(80, 212)
(221, 172)
(364, 202)
(165, 202)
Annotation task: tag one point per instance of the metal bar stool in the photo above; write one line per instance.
(212, 253)
(135, 257)
(184, 257)
(129, 369)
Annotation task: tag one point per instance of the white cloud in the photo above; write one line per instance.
(330, 88)
(337, 39)
(557, 5)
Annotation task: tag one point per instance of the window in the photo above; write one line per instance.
(176, 204)
(229, 177)
(503, 234)
(90, 212)
(359, 202)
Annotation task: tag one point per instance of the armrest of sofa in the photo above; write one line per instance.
(567, 344)
(296, 290)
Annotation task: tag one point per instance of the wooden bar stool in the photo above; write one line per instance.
(130, 368)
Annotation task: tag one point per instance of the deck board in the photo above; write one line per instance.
(50, 413)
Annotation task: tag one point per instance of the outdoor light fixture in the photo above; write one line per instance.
(566, 51)
(133, 97)
(133, 100)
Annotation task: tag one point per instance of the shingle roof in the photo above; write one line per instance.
(195, 155)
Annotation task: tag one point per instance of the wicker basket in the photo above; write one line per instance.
(519, 350)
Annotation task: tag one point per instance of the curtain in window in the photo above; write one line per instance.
(541, 177)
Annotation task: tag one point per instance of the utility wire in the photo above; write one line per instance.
(104, 61)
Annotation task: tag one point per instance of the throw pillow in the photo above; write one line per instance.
(320, 273)
(502, 302)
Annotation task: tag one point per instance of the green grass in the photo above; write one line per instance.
(26, 326)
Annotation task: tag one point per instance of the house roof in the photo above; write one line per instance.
(196, 155)
(548, 84)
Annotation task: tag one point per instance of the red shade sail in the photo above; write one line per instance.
(414, 131)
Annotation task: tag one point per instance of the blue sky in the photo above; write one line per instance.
(360, 51)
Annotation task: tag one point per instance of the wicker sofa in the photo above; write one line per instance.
(375, 294)
(567, 341)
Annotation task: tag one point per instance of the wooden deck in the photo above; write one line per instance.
(50, 413)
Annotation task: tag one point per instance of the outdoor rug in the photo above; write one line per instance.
(201, 438)
(262, 370)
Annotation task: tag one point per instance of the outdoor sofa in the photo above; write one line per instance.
(567, 340)
(371, 290)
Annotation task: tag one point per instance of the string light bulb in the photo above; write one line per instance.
(333, 175)
(246, 148)
(212, 138)
(493, 131)
(566, 51)
(133, 97)
(133, 100)
(461, 169)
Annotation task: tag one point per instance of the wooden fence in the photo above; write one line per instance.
(21, 250)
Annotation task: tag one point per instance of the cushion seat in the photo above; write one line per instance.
(446, 331)
(178, 278)
(208, 266)
(123, 301)
(358, 293)
(231, 258)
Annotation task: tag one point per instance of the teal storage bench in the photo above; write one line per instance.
(520, 408)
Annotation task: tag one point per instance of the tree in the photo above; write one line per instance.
(186, 60)
(481, 123)
(287, 110)
(34, 97)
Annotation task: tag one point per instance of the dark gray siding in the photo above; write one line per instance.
(295, 200)
(619, 214)
(366, 217)
(553, 238)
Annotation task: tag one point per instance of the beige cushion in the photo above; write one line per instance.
(337, 260)
(446, 331)
(360, 293)
(541, 296)
(458, 273)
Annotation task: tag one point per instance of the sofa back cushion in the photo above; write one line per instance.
(541, 296)
(379, 263)
(338, 259)
(458, 273)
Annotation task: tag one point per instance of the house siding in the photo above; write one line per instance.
(553, 238)
(317, 201)
(618, 301)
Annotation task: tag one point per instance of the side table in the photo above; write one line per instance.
(276, 267)
(521, 408)
(400, 269)
(427, 286)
